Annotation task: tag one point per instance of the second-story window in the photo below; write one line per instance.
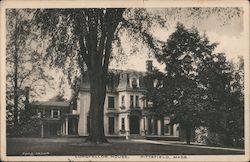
(55, 113)
(123, 100)
(131, 101)
(111, 102)
(47, 113)
(136, 101)
(134, 83)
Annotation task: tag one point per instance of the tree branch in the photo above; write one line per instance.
(145, 36)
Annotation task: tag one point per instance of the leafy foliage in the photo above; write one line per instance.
(199, 88)
(226, 106)
(24, 64)
(83, 39)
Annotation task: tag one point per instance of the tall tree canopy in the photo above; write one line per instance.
(24, 65)
(182, 93)
(197, 86)
(83, 36)
(83, 39)
(225, 100)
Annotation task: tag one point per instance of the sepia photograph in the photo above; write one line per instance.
(130, 81)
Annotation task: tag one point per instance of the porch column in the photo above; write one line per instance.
(66, 126)
(142, 127)
(51, 113)
(63, 128)
(146, 125)
(42, 131)
(127, 128)
(176, 130)
(43, 115)
(152, 126)
(159, 127)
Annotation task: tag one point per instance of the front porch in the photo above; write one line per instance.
(69, 125)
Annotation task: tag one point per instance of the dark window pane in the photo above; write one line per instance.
(134, 83)
(111, 102)
(131, 101)
(111, 125)
(136, 101)
(55, 113)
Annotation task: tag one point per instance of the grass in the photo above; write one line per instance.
(77, 146)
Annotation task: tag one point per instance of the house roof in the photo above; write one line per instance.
(118, 80)
(51, 103)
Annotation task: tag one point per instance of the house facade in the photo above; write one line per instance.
(56, 118)
(126, 112)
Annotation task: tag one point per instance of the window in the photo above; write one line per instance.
(55, 113)
(131, 101)
(134, 83)
(122, 100)
(47, 113)
(136, 101)
(111, 102)
(111, 125)
(123, 123)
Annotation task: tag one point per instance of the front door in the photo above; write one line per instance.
(111, 125)
(134, 124)
(73, 126)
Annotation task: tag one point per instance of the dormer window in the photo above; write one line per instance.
(134, 83)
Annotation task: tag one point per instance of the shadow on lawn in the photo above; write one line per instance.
(77, 146)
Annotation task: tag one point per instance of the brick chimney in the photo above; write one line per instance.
(149, 65)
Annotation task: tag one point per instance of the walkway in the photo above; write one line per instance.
(182, 144)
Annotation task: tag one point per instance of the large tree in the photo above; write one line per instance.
(83, 36)
(224, 82)
(84, 39)
(181, 93)
(24, 65)
(199, 87)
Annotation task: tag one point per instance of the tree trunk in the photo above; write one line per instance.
(97, 99)
(15, 93)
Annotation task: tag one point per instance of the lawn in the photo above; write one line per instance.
(76, 146)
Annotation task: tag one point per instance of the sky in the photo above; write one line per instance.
(229, 35)
(218, 27)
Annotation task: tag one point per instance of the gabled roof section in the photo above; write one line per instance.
(59, 104)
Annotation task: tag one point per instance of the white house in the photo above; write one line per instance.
(125, 111)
